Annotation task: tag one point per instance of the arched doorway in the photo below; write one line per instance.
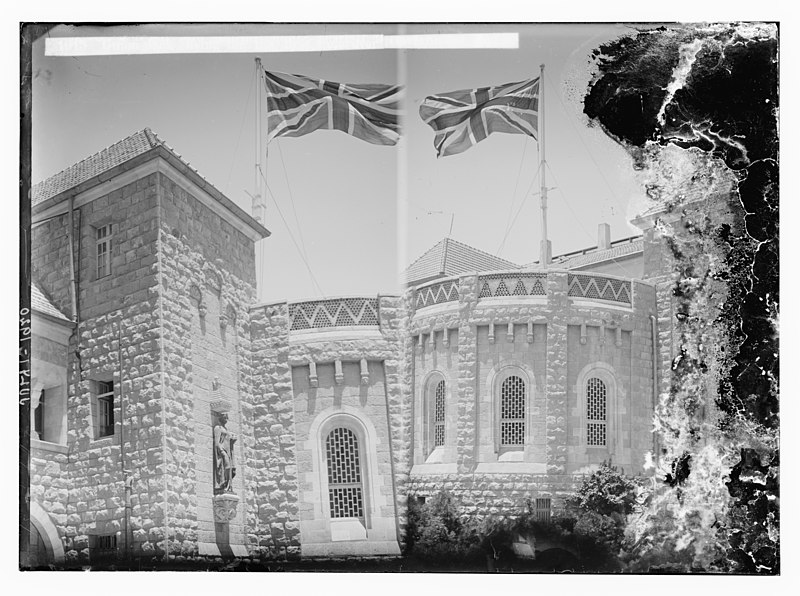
(45, 544)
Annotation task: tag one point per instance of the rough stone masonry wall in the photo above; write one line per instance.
(398, 370)
(49, 480)
(532, 356)
(208, 283)
(555, 357)
(117, 340)
(273, 520)
(389, 410)
(50, 259)
(274, 462)
(429, 357)
(496, 494)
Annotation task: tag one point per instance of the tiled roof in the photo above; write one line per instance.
(450, 257)
(615, 252)
(111, 160)
(618, 249)
(40, 303)
(102, 161)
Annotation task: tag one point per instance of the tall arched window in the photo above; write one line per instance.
(513, 395)
(438, 414)
(345, 486)
(596, 412)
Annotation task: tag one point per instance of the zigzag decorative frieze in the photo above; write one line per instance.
(446, 291)
(339, 312)
(599, 288)
(499, 285)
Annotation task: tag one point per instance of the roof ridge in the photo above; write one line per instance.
(423, 254)
(595, 254)
(482, 251)
(151, 137)
(443, 265)
(144, 131)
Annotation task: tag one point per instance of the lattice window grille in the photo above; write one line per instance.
(511, 285)
(602, 288)
(596, 404)
(438, 416)
(344, 474)
(512, 412)
(436, 294)
(538, 288)
(519, 289)
(543, 509)
(333, 313)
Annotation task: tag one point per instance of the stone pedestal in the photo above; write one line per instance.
(225, 506)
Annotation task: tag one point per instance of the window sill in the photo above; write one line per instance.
(105, 441)
(436, 456)
(437, 468)
(48, 446)
(511, 455)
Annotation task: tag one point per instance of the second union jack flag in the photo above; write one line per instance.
(298, 105)
(463, 118)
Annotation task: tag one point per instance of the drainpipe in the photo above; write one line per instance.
(654, 335)
(72, 283)
(126, 477)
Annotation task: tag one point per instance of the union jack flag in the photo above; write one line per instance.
(463, 118)
(298, 105)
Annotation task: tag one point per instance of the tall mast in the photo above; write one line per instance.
(544, 247)
(258, 206)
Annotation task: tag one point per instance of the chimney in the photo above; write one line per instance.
(603, 236)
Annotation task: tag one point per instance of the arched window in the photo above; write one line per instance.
(345, 486)
(596, 412)
(513, 395)
(438, 415)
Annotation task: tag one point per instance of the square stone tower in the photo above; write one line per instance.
(156, 270)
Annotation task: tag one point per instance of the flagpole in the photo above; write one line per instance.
(544, 248)
(258, 206)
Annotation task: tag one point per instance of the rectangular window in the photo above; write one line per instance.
(105, 408)
(103, 250)
(38, 418)
(105, 547)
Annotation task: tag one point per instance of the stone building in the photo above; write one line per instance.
(495, 381)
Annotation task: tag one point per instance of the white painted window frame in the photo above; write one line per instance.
(103, 245)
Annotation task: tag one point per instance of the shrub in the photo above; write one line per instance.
(436, 533)
(601, 506)
(607, 492)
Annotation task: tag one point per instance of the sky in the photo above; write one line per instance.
(346, 216)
